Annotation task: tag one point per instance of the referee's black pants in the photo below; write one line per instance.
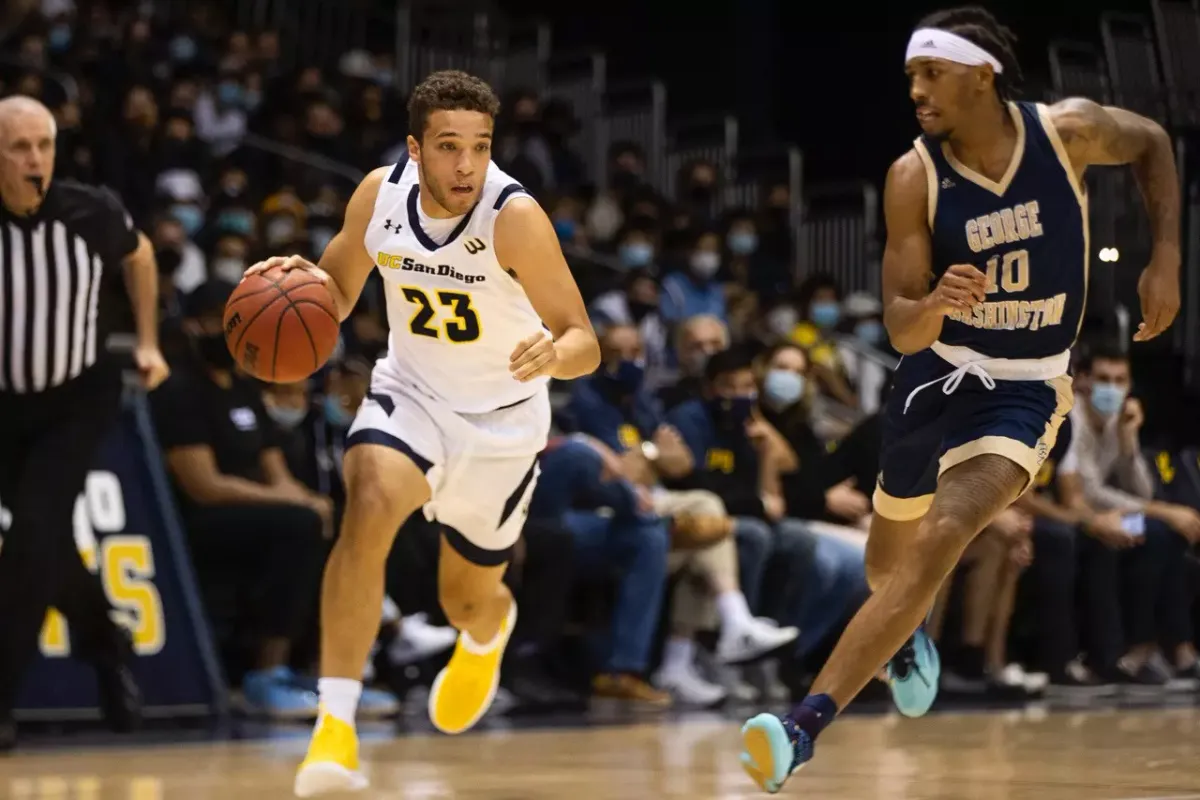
(47, 444)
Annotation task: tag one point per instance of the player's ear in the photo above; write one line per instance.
(414, 149)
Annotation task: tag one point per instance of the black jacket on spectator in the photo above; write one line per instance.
(804, 489)
(191, 409)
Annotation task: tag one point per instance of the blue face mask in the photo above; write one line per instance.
(59, 38)
(825, 314)
(1108, 398)
(743, 243)
(732, 412)
(870, 331)
(241, 222)
(783, 388)
(565, 228)
(636, 254)
(190, 217)
(628, 376)
(286, 418)
(336, 414)
(229, 94)
(183, 48)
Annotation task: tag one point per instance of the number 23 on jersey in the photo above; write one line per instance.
(441, 313)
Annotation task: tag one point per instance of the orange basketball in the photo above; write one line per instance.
(281, 326)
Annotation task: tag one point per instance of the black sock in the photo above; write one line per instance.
(814, 714)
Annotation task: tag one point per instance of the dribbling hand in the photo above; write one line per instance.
(961, 288)
(533, 357)
(287, 264)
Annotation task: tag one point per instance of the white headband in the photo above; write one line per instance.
(937, 43)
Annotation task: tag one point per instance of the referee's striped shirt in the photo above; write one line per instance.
(62, 287)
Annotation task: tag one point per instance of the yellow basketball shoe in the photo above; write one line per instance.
(464, 690)
(332, 761)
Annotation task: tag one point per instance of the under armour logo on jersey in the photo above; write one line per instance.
(475, 245)
(947, 183)
(388, 226)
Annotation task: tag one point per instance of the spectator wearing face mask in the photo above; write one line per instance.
(696, 340)
(635, 303)
(1114, 476)
(220, 115)
(695, 290)
(813, 490)
(819, 302)
(861, 353)
(750, 265)
(614, 407)
(230, 258)
(636, 249)
(739, 456)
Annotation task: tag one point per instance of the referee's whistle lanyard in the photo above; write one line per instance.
(951, 382)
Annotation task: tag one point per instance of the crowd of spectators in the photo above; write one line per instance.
(698, 533)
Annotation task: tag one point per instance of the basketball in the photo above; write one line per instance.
(281, 326)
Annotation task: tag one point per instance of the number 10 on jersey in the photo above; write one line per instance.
(457, 323)
(1009, 272)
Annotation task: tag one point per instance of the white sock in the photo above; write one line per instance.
(678, 654)
(483, 648)
(478, 649)
(339, 697)
(734, 612)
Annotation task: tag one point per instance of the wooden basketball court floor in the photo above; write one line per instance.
(1028, 754)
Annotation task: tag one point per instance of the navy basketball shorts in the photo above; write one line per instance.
(953, 419)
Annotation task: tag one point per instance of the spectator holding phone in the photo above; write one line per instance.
(1116, 493)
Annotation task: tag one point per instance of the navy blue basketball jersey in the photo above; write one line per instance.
(1027, 233)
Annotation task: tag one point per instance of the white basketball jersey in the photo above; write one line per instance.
(455, 314)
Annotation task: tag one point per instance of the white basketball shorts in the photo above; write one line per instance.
(481, 468)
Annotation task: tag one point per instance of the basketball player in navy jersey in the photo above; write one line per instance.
(985, 279)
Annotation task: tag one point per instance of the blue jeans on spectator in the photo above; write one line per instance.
(628, 544)
(754, 545)
(811, 581)
(636, 551)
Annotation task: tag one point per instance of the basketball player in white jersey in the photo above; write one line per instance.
(483, 312)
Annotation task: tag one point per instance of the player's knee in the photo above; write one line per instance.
(375, 509)
(936, 548)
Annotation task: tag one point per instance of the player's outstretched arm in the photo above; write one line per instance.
(1103, 135)
(345, 264)
(526, 243)
(912, 313)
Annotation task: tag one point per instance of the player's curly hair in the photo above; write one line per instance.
(977, 25)
(449, 90)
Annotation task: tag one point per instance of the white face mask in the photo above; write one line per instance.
(782, 321)
(229, 268)
(705, 264)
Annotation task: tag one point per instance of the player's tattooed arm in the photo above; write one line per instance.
(1103, 135)
(527, 245)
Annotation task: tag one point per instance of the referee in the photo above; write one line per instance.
(72, 270)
